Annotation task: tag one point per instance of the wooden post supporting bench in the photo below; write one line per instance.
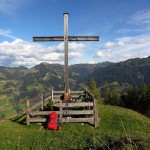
(42, 101)
(27, 111)
(95, 109)
(60, 109)
(52, 95)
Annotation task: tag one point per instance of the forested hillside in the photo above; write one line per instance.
(133, 71)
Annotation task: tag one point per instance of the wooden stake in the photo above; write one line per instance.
(95, 113)
(27, 111)
(42, 101)
(60, 109)
(52, 96)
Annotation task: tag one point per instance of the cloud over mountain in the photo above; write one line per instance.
(19, 52)
(125, 48)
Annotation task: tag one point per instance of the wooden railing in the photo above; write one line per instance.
(68, 112)
(52, 96)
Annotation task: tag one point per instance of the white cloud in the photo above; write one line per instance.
(19, 52)
(134, 29)
(137, 23)
(99, 54)
(7, 6)
(141, 17)
(52, 56)
(74, 46)
(109, 45)
(125, 39)
(132, 45)
(76, 50)
(137, 46)
(92, 62)
(7, 33)
(135, 43)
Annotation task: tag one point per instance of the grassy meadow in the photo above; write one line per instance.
(119, 128)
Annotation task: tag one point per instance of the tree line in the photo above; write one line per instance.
(128, 97)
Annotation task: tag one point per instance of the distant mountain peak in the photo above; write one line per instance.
(44, 63)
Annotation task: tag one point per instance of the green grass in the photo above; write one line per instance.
(6, 107)
(118, 129)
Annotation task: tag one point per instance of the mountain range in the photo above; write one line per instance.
(133, 71)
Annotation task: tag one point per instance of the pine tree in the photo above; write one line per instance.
(144, 101)
(94, 90)
(131, 98)
(112, 97)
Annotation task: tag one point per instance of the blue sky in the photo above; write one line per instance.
(123, 27)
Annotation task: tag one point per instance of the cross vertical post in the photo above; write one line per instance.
(66, 81)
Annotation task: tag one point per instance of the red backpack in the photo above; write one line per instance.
(53, 121)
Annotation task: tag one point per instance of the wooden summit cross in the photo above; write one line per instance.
(66, 38)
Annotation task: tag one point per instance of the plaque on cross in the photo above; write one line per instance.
(66, 38)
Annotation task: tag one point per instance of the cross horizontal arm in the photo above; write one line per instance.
(83, 38)
(44, 39)
(70, 38)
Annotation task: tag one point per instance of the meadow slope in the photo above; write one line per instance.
(119, 128)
